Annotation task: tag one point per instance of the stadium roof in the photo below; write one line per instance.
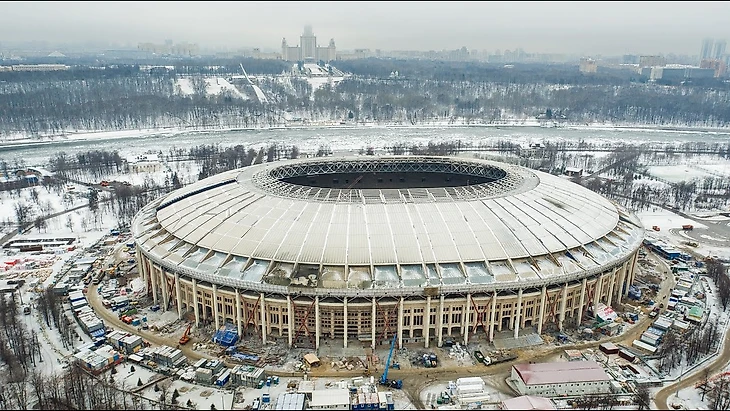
(249, 223)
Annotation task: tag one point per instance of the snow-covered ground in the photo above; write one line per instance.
(213, 86)
(655, 184)
(670, 225)
(665, 220)
(678, 173)
(317, 82)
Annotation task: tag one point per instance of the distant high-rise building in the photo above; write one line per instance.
(706, 52)
(588, 65)
(652, 61)
(630, 59)
(719, 49)
(307, 50)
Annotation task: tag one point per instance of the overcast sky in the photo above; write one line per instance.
(608, 28)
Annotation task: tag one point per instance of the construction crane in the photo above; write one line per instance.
(186, 336)
(384, 378)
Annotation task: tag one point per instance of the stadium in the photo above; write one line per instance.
(359, 249)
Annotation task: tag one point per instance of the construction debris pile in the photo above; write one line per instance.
(460, 355)
(349, 363)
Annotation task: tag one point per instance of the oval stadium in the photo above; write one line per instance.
(352, 249)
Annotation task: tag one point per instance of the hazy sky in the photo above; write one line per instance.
(561, 27)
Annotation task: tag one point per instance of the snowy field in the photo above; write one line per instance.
(678, 173)
(655, 184)
(40, 201)
(722, 169)
(665, 220)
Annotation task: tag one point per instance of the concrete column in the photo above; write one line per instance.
(145, 271)
(290, 320)
(332, 324)
(165, 291)
(463, 319)
(611, 284)
(154, 279)
(440, 322)
(178, 296)
(563, 300)
(630, 267)
(344, 322)
(597, 296)
(216, 321)
(373, 317)
(316, 323)
(427, 321)
(195, 303)
(543, 298)
(263, 318)
(239, 325)
(493, 316)
(582, 301)
(466, 319)
(400, 323)
(622, 284)
(518, 316)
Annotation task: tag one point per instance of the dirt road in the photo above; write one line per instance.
(111, 319)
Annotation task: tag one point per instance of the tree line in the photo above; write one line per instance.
(126, 97)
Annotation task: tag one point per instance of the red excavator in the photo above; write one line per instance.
(186, 336)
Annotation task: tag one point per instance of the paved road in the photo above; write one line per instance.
(717, 233)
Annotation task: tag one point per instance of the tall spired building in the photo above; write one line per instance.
(307, 50)
(308, 42)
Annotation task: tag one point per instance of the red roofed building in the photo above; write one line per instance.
(528, 402)
(561, 378)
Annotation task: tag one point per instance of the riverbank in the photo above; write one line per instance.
(20, 140)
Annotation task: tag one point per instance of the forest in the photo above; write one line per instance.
(123, 97)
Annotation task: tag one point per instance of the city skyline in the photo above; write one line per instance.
(605, 28)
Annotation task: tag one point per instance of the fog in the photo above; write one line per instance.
(545, 27)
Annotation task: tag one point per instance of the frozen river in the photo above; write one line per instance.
(346, 138)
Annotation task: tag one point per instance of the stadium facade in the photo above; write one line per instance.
(359, 248)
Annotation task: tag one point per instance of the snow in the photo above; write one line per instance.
(723, 169)
(676, 174)
(186, 86)
(318, 82)
(655, 184)
(214, 86)
(259, 94)
(665, 220)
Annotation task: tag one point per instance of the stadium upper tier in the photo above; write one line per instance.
(386, 222)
